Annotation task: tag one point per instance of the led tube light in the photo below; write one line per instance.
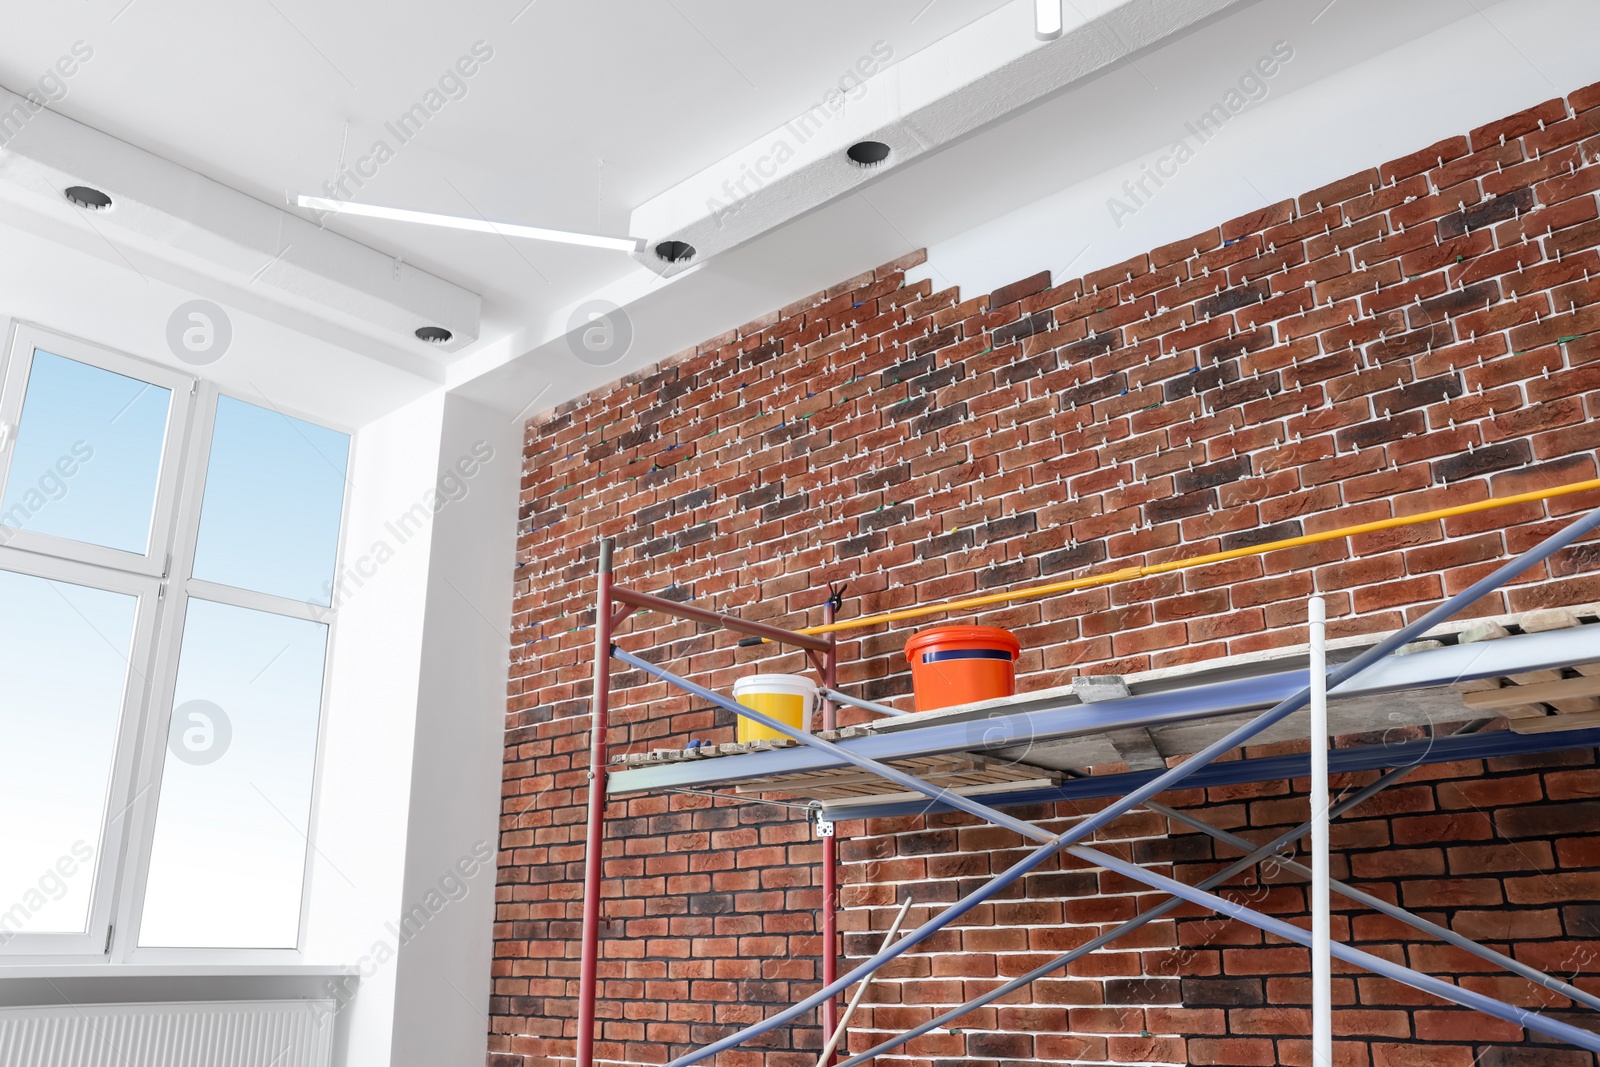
(457, 222)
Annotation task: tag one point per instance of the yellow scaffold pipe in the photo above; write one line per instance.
(1127, 574)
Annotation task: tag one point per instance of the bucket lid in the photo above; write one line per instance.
(964, 636)
(773, 681)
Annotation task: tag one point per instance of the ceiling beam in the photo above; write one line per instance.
(178, 224)
(916, 105)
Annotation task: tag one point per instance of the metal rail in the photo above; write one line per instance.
(647, 602)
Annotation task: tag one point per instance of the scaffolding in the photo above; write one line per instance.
(843, 757)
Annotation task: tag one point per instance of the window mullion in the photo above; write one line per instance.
(179, 551)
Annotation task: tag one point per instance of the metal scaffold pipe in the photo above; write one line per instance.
(1128, 574)
(1321, 920)
(594, 848)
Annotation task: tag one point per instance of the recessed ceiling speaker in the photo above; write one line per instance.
(675, 251)
(868, 153)
(85, 197)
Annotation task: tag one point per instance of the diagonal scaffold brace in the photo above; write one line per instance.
(1051, 843)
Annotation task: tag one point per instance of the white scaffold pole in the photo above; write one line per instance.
(1321, 940)
(861, 990)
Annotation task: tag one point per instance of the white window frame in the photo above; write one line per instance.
(119, 793)
(162, 582)
(14, 387)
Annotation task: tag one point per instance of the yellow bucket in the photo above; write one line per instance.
(788, 698)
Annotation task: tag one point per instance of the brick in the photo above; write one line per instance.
(1223, 992)
(1214, 474)
(1178, 507)
(1339, 191)
(1488, 213)
(1435, 155)
(1487, 460)
(1523, 122)
(1010, 294)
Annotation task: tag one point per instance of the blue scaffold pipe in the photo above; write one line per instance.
(866, 705)
(1395, 911)
(1085, 828)
(1438, 987)
(1244, 863)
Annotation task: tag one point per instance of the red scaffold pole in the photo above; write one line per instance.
(830, 852)
(593, 861)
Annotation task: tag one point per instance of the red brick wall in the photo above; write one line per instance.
(1421, 334)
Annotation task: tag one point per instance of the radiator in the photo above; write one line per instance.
(287, 1033)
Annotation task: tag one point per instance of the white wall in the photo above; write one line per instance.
(442, 994)
(1370, 81)
(359, 864)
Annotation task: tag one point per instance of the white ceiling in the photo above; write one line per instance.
(257, 94)
(586, 109)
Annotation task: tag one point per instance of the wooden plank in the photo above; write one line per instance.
(1482, 630)
(1583, 720)
(1536, 677)
(978, 791)
(928, 767)
(948, 770)
(1524, 711)
(1538, 693)
(1538, 622)
(1137, 747)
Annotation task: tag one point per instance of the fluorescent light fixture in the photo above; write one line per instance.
(1047, 19)
(457, 222)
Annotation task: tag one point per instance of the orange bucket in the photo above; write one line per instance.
(962, 665)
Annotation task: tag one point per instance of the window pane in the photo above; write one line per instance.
(63, 670)
(88, 455)
(228, 859)
(274, 497)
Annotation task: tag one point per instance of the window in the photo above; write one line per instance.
(228, 858)
(167, 557)
(274, 496)
(65, 650)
